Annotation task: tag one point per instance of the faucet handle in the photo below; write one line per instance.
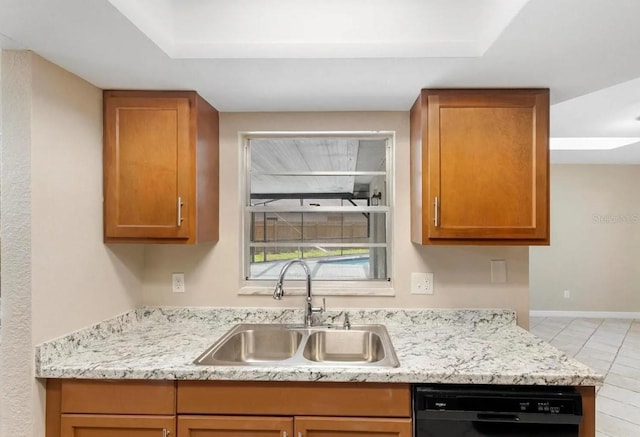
(321, 309)
(347, 322)
(318, 310)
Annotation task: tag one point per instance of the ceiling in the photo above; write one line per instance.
(353, 55)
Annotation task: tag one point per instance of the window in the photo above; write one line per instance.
(322, 198)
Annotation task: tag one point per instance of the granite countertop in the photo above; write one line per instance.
(433, 346)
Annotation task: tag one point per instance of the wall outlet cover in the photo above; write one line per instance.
(421, 283)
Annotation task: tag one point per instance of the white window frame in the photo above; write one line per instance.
(371, 287)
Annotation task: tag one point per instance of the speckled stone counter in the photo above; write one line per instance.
(433, 346)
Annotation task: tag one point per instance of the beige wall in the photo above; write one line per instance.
(213, 273)
(595, 241)
(60, 277)
(77, 280)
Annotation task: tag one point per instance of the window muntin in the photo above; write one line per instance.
(321, 198)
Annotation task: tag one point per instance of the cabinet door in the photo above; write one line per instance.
(95, 425)
(351, 427)
(483, 166)
(238, 426)
(147, 167)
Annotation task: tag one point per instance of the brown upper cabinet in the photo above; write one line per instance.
(161, 167)
(480, 167)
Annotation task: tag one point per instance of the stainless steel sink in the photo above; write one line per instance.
(299, 346)
(252, 344)
(351, 346)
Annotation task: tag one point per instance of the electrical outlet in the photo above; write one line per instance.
(421, 283)
(177, 281)
(567, 294)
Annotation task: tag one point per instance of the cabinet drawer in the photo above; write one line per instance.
(294, 398)
(118, 397)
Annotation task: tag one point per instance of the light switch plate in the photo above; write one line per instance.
(498, 271)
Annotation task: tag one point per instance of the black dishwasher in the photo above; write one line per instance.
(493, 410)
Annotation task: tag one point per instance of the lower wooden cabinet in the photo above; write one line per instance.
(229, 426)
(110, 408)
(293, 409)
(125, 408)
(104, 425)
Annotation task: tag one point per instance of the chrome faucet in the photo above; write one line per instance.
(278, 292)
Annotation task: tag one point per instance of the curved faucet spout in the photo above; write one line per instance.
(278, 292)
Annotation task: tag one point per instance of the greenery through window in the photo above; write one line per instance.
(324, 199)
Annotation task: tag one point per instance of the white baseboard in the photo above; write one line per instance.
(587, 314)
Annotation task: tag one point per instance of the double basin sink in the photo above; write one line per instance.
(301, 346)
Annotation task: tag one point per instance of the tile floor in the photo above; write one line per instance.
(612, 347)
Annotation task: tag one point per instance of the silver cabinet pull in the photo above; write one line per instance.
(180, 219)
(165, 432)
(284, 433)
(299, 433)
(436, 221)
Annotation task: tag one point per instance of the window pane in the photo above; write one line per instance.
(325, 263)
(301, 200)
(321, 227)
(275, 155)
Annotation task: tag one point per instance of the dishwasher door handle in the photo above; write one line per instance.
(497, 417)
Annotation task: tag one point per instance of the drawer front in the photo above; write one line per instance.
(294, 398)
(118, 397)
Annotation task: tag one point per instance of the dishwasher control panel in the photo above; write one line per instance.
(507, 399)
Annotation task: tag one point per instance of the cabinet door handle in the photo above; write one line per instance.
(436, 220)
(180, 219)
(300, 434)
(165, 432)
(284, 433)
